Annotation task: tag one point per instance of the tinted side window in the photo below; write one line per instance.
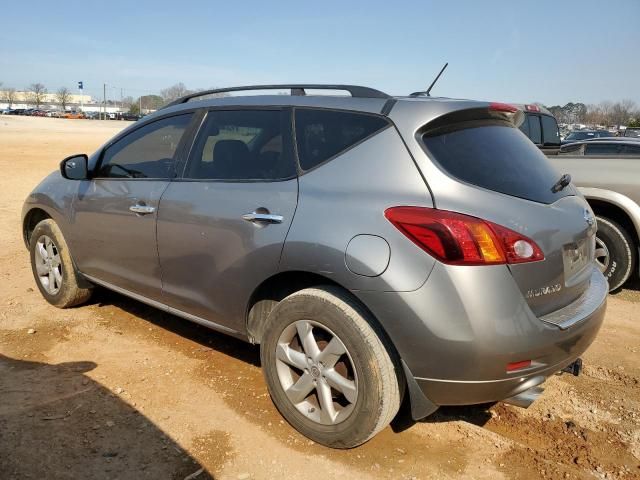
(630, 150)
(602, 149)
(243, 145)
(524, 126)
(535, 133)
(550, 132)
(322, 134)
(571, 149)
(496, 157)
(147, 152)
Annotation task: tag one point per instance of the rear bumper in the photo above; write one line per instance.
(457, 343)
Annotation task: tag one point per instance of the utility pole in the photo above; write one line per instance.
(81, 88)
(104, 99)
(120, 99)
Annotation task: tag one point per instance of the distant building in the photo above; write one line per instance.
(23, 97)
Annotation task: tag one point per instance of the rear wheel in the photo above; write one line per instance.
(327, 370)
(615, 253)
(53, 269)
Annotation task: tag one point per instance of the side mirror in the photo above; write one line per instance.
(75, 167)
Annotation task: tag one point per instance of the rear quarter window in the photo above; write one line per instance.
(323, 134)
(550, 133)
(496, 156)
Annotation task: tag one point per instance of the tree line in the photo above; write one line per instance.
(37, 95)
(606, 113)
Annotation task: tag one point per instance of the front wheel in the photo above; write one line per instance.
(615, 252)
(328, 371)
(52, 267)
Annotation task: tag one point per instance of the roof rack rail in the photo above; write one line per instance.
(296, 89)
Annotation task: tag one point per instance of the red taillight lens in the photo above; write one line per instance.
(515, 366)
(532, 108)
(459, 239)
(502, 107)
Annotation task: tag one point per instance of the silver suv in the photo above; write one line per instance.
(376, 247)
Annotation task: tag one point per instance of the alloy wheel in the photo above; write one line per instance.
(316, 372)
(602, 255)
(48, 265)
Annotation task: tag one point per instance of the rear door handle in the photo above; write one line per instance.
(142, 209)
(262, 217)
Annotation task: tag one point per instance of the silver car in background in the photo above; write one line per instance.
(376, 247)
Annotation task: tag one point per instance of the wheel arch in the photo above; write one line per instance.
(34, 216)
(617, 207)
(273, 289)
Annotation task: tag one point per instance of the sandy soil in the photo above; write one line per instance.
(116, 389)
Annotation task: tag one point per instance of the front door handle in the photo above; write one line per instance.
(142, 209)
(257, 217)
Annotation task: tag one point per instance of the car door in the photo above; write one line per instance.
(115, 212)
(223, 223)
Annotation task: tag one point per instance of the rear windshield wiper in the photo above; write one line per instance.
(560, 184)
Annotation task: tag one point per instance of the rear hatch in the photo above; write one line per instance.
(494, 172)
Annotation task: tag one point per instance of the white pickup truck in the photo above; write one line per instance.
(610, 181)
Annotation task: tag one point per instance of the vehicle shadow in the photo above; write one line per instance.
(197, 333)
(58, 423)
(476, 414)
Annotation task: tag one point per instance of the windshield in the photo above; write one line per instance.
(580, 135)
(497, 157)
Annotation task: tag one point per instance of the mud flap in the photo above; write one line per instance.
(421, 406)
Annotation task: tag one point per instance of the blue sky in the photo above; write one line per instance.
(548, 51)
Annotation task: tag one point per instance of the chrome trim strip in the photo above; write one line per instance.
(166, 308)
(584, 306)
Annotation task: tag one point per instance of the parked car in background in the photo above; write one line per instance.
(74, 114)
(577, 135)
(633, 132)
(541, 127)
(607, 172)
(372, 245)
(619, 146)
(6, 111)
(130, 116)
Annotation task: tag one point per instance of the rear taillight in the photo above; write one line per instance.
(459, 239)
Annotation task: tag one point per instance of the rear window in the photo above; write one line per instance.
(550, 130)
(495, 156)
(535, 132)
(323, 134)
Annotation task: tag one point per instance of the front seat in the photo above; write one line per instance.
(231, 160)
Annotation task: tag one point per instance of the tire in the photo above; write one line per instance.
(615, 252)
(362, 391)
(65, 291)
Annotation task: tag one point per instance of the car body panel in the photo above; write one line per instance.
(609, 179)
(212, 260)
(481, 323)
(111, 242)
(347, 197)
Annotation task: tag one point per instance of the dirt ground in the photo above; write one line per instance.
(119, 390)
